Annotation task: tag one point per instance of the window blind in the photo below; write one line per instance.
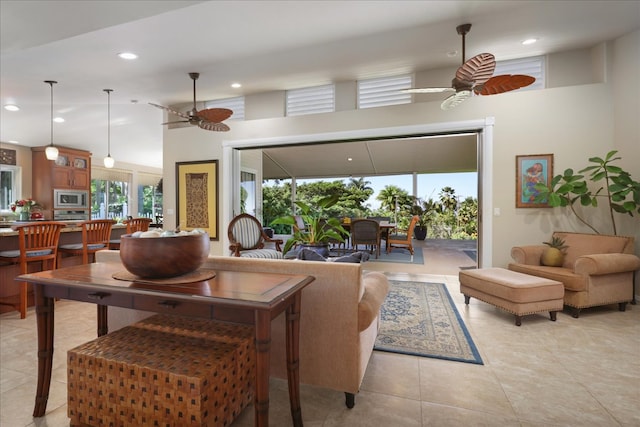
(311, 100)
(148, 179)
(383, 91)
(103, 174)
(235, 104)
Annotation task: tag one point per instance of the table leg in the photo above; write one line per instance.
(263, 361)
(293, 358)
(103, 326)
(44, 319)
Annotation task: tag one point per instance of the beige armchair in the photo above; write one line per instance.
(597, 270)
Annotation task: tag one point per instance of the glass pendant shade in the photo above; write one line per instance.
(108, 161)
(51, 152)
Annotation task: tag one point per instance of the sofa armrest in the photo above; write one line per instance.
(376, 287)
(529, 255)
(597, 264)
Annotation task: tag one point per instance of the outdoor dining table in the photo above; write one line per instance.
(384, 226)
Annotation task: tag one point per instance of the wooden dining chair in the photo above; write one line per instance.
(95, 236)
(403, 240)
(133, 225)
(38, 242)
(366, 232)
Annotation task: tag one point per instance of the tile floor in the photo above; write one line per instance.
(573, 372)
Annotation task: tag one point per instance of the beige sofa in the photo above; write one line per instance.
(338, 326)
(597, 270)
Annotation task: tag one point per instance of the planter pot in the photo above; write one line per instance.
(319, 248)
(420, 233)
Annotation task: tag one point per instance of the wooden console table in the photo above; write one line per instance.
(251, 298)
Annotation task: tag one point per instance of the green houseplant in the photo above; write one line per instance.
(619, 190)
(319, 228)
(426, 210)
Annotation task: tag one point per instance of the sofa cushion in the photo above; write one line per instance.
(580, 244)
(571, 281)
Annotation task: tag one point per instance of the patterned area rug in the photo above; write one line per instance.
(420, 318)
(400, 255)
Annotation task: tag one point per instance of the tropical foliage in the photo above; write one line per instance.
(617, 189)
(444, 217)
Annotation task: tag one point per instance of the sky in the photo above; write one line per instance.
(429, 185)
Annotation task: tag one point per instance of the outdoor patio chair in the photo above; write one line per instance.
(366, 232)
(403, 240)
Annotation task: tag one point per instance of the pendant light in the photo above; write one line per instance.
(51, 152)
(108, 161)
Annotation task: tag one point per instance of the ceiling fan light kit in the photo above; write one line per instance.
(108, 161)
(51, 152)
(208, 119)
(474, 76)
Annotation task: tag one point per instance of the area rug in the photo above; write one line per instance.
(399, 255)
(473, 254)
(420, 318)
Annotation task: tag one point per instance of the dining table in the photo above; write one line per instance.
(242, 297)
(385, 228)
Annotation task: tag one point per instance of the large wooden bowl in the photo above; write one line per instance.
(163, 257)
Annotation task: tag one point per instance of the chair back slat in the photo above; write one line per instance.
(137, 224)
(97, 231)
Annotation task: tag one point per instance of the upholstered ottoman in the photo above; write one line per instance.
(138, 376)
(513, 292)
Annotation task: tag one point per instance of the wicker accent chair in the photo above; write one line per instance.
(247, 239)
(403, 240)
(95, 237)
(38, 243)
(366, 232)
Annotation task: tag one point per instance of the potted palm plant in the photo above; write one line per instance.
(319, 228)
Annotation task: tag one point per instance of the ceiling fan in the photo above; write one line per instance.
(209, 119)
(475, 76)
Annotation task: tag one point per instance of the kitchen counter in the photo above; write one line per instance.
(9, 241)
(72, 225)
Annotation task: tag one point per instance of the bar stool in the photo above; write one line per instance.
(95, 236)
(38, 242)
(133, 225)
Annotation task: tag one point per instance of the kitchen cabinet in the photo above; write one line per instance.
(70, 171)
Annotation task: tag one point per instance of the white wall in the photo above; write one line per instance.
(573, 122)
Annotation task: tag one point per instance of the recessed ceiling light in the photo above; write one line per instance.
(452, 53)
(11, 107)
(349, 159)
(58, 120)
(13, 142)
(529, 41)
(236, 85)
(127, 55)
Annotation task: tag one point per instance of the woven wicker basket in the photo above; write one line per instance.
(139, 376)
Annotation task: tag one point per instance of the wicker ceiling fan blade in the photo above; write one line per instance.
(214, 115)
(455, 99)
(428, 90)
(172, 111)
(175, 122)
(504, 83)
(477, 70)
(217, 127)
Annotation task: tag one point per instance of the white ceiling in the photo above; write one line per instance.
(265, 45)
